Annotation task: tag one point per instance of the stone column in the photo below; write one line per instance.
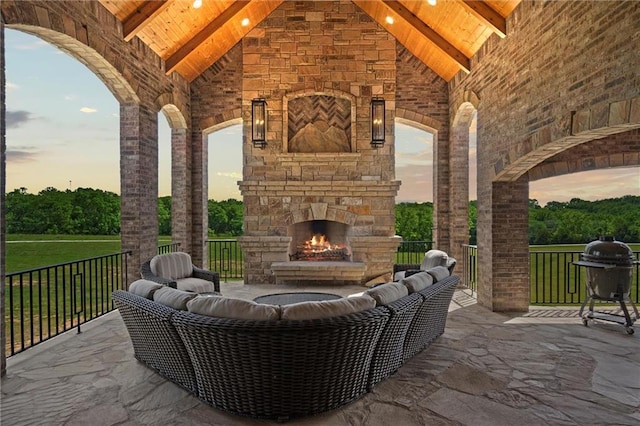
(441, 200)
(138, 184)
(181, 189)
(199, 199)
(3, 173)
(503, 258)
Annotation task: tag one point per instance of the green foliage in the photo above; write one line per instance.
(164, 215)
(414, 221)
(83, 211)
(226, 217)
(580, 221)
(87, 211)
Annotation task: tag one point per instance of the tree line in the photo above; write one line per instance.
(89, 211)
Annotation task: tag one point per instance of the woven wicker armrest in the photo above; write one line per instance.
(145, 271)
(208, 275)
(405, 266)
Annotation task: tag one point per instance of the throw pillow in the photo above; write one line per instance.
(176, 299)
(228, 307)
(417, 282)
(387, 293)
(327, 308)
(144, 288)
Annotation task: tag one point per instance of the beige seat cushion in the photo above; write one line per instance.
(327, 308)
(228, 307)
(417, 282)
(197, 285)
(438, 273)
(172, 265)
(387, 293)
(144, 288)
(174, 298)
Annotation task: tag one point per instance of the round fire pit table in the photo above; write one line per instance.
(295, 297)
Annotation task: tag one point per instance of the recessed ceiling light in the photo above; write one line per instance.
(389, 19)
(197, 4)
(245, 22)
(432, 2)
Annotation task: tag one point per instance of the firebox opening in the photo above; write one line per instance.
(319, 240)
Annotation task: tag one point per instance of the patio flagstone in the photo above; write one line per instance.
(487, 369)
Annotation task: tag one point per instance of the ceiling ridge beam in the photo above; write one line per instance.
(487, 15)
(449, 49)
(181, 54)
(140, 17)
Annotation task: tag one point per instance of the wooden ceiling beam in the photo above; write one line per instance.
(136, 21)
(460, 58)
(487, 15)
(181, 54)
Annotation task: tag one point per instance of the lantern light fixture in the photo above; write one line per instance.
(259, 122)
(377, 122)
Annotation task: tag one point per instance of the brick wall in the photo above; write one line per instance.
(558, 58)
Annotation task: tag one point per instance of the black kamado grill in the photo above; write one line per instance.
(609, 265)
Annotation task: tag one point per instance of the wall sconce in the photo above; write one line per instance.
(377, 122)
(259, 122)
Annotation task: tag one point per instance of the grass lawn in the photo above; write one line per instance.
(25, 252)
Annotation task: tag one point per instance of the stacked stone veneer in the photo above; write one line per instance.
(323, 48)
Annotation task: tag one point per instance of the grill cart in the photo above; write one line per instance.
(609, 266)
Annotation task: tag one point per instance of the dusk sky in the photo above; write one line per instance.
(63, 132)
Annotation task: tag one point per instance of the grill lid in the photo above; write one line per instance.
(608, 251)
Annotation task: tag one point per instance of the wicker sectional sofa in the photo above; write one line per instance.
(281, 369)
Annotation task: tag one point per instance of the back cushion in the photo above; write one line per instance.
(176, 299)
(228, 307)
(327, 308)
(172, 265)
(438, 273)
(434, 258)
(417, 282)
(387, 293)
(144, 288)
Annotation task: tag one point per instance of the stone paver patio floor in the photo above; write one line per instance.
(487, 369)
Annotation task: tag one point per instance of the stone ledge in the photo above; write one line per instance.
(318, 271)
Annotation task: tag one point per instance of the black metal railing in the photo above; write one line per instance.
(412, 251)
(226, 258)
(470, 267)
(168, 248)
(42, 303)
(554, 279)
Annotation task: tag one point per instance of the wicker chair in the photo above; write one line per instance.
(281, 370)
(176, 270)
(389, 354)
(156, 342)
(429, 321)
(431, 259)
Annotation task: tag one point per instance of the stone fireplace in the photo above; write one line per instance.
(318, 168)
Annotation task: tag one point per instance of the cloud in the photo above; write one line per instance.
(17, 118)
(11, 86)
(70, 97)
(33, 45)
(88, 110)
(21, 155)
(234, 175)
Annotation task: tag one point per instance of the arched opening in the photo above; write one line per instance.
(473, 179)
(62, 137)
(414, 168)
(164, 179)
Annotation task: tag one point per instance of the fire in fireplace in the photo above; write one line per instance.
(314, 243)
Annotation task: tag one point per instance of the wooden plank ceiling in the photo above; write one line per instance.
(444, 36)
